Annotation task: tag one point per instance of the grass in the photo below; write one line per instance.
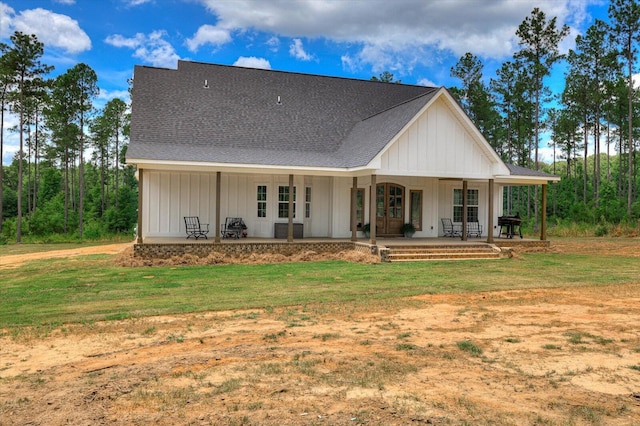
(90, 288)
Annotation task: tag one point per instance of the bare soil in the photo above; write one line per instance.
(547, 356)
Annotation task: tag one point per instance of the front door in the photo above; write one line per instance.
(389, 209)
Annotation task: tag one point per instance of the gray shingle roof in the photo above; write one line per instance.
(523, 171)
(320, 121)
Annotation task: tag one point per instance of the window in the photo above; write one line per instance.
(262, 200)
(359, 208)
(472, 205)
(307, 202)
(415, 200)
(283, 201)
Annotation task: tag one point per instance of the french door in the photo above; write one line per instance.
(389, 209)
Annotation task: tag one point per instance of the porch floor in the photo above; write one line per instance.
(380, 242)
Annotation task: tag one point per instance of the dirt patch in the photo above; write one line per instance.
(13, 261)
(544, 356)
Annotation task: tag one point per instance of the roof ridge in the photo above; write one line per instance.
(333, 77)
(403, 102)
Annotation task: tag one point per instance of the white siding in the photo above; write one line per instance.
(437, 144)
(169, 196)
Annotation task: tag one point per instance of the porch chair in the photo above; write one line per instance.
(233, 227)
(450, 230)
(474, 229)
(194, 228)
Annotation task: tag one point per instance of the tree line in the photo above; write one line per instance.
(590, 125)
(68, 176)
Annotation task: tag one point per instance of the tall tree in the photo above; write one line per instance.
(84, 89)
(476, 99)
(625, 19)
(539, 41)
(25, 61)
(385, 77)
(6, 82)
(115, 113)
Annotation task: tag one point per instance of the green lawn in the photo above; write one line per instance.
(90, 288)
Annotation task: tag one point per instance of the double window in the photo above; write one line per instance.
(472, 205)
(283, 201)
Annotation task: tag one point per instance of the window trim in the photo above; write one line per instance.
(418, 225)
(263, 202)
(307, 202)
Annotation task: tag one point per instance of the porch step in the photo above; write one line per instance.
(413, 253)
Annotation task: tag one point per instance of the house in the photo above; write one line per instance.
(299, 155)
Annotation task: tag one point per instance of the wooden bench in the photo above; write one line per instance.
(194, 228)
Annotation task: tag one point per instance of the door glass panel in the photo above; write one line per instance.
(395, 202)
(380, 201)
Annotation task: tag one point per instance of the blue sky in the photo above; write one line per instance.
(417, 40)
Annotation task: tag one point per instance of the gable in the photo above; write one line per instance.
(440, 142)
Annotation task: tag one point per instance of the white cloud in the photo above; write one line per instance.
(208, 34)
(252, 62)
(384, 34)
(296, 49)
(151, 48)
(52, 29)
(6, 14)
(112, 94)
(273, 43)
(428, 83)
(134, 3)
(67, 2)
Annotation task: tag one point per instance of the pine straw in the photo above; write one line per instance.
(127, 259)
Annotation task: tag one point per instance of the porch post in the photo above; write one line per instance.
(216, 222)
(354, 200)
(290, 228)
(140, 186)
(372, 211)
(543, 214)
(490, 213)
(464, 210)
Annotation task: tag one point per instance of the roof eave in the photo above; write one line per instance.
(526, 180)
(272, 169)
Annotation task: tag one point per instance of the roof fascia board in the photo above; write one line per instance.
(246, 168)
(526, 180)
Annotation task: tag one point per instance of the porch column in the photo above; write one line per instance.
(490, 213)
(216, 222)
(140, 186)
(543, 214)
(372, 211)
(464, 210)
(354, 201)
(290, 228)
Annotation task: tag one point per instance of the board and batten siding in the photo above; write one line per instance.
(437, 144)
(169, 196)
